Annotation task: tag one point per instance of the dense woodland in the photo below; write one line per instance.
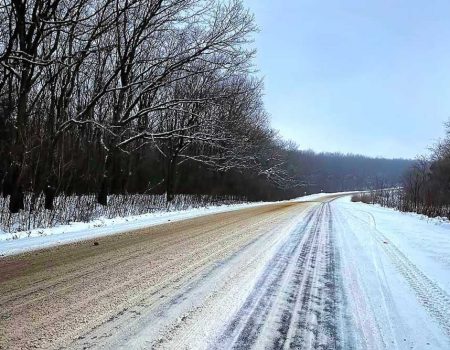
(92, 92)
(335, 172)
(110, 97)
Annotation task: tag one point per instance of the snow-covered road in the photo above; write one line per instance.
(325, 274)
(336, 282)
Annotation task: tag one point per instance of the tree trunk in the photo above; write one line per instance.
(102, 197)
(170, 179)
(16, 201)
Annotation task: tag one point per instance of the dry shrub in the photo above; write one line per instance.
(362, 197)
(85, 208)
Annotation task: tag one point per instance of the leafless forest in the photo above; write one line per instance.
(107, 97)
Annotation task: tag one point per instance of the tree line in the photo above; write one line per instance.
(336, 172)
(425, 185)
(114, 96)
(310, 172)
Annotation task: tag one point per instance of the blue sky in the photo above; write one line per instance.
(369, 77)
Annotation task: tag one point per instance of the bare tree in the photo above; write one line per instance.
(90, 88)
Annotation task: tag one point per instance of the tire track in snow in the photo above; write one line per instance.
(246, 325)
(317, 325)
(295, 297)
(368, 326)
(434, 299)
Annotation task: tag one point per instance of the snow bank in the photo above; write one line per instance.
(438, 220)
